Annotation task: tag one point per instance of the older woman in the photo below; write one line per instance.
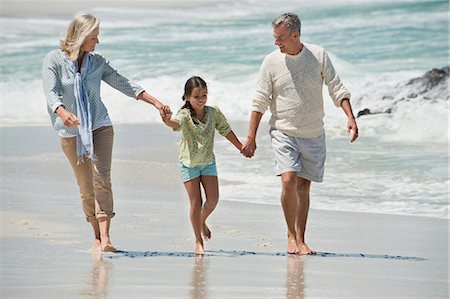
(71, 78)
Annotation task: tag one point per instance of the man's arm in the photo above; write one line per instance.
(352, 127)
(249, 147)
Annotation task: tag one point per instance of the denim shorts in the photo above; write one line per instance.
(190, 173)
(305, 156)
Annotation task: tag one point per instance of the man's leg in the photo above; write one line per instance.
(289, 202)
(303, 187)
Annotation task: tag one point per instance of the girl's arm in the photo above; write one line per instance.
(166, 114)
(233, 139)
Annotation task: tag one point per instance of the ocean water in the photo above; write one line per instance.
(399, 165)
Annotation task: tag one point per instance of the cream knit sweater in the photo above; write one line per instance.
(292, 86)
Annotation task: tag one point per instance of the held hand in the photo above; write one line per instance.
(352, 128)
(249, 148)
(68, 119)
(165, 113)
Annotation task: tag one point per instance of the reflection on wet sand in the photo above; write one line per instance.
(99, 277)
(295, 283)
(199, 287)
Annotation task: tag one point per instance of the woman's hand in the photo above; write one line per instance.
(165, 113)
(68, 119)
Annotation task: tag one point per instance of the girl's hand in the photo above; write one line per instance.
(165, 113)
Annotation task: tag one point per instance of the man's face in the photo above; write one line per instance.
(284, 39)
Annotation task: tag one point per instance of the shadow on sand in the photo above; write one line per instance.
(237, 253)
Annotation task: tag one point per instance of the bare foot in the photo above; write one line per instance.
(304, 250)
(96, 245)
(199, 248)
(206, 232)
(292, 247)
(106, 245)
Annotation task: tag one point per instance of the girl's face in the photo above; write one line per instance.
(91, 41)
(198, 98)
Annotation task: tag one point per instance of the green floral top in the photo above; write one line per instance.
(197, 140)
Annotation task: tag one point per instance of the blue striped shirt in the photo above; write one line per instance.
(58, 78)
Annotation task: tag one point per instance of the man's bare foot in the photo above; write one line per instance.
(96, 245)
(106, 245)
(199, 247)
(206, 232)
(304, 250)
(292, 247)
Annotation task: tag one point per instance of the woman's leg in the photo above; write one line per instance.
(104, 208)
(195, 198)
(211, 186)
(83, 174)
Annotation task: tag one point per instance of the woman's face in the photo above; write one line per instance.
(91, 41)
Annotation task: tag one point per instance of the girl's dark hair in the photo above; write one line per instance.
(192, 83)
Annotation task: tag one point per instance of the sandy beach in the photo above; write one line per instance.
(361, 254)
(45, 239)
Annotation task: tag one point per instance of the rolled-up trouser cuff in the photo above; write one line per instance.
(100, 215)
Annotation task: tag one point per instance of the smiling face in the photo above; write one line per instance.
(198, 98)
(91, 41)
(288, 42)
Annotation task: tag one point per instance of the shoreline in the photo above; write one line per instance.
(162, 141)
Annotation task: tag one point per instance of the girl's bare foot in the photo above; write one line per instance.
(199, 247)
(206, 232)
(292, 247)
(304, 250)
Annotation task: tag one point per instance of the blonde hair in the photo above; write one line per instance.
(80, 28)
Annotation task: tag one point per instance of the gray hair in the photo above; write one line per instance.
(80, 27)
(291, 20)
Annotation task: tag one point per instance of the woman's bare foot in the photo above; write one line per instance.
(106, 245)
(304, 250)
(292, 247)
(199, 247)
(206, 232)
(96, 245)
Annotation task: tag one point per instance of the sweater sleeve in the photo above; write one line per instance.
(119, 82)
(51, 81)
(263, 94)
(221, 124)
(336, 89)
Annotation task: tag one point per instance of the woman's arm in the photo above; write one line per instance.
(148, 98)
(166, 114)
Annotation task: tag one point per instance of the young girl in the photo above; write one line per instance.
(197, 165)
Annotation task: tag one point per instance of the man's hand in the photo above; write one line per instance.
(352, 128)
(249, 148)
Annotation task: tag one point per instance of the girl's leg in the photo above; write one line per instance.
(195, 198)
(211, 186)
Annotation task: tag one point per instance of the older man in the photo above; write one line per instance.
(290, 83)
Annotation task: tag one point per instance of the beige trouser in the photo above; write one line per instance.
(93, 177)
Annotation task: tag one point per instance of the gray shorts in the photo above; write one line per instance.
(305, 156)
